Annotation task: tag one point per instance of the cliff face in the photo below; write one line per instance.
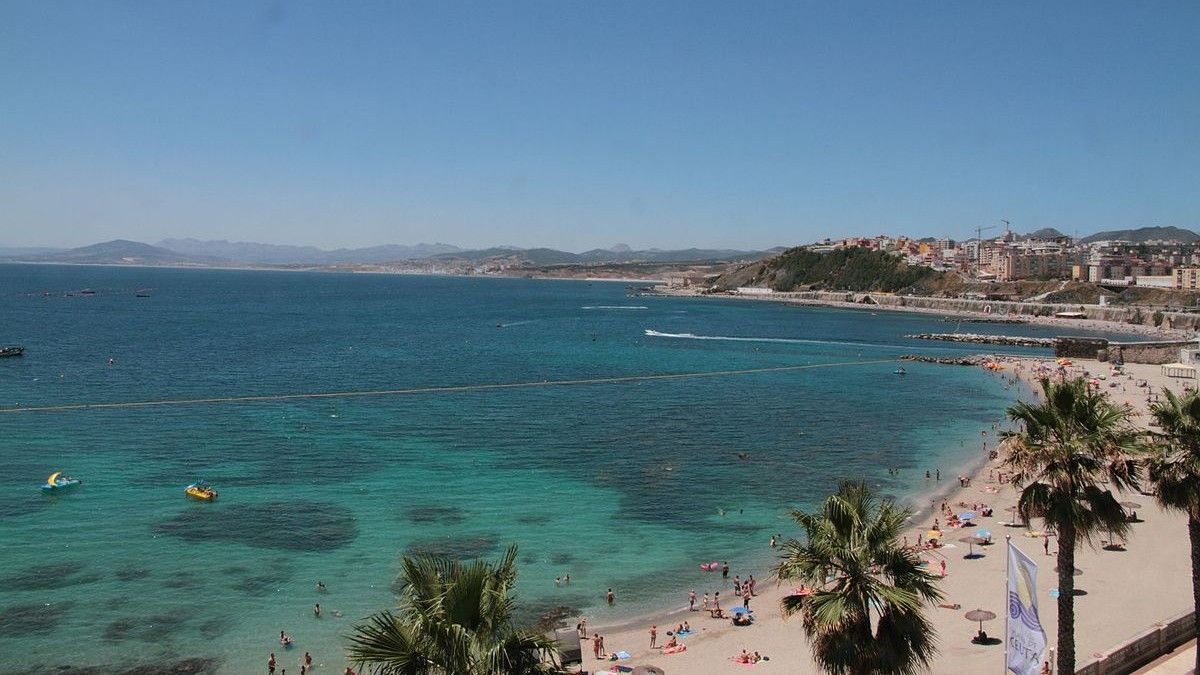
(852, 269)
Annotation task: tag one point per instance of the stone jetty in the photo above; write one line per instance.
(973, 360)
(975, 338)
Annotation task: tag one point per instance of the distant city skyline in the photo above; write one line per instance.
(574, 125)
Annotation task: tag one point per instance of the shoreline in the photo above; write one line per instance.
(1158, 542)
(1049, 321)
(921, 503)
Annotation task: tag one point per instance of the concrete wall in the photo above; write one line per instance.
(1079, 347)
(1156, 352)
(1147, 352)
(1159, 639)
(1132, 315)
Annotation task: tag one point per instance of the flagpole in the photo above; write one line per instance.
(1004, 605)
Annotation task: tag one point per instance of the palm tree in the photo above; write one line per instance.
(1174, 471)
(866, 615)
(1068, 446)
(455, 618)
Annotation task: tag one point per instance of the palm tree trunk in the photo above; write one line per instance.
(1066, 600)
(1194, 537)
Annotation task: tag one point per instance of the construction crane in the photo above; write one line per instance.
(979, 244)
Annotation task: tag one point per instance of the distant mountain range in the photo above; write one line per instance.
(276, 254)
(1144, 234)
(216, 253)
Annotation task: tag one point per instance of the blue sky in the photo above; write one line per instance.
(580, 124)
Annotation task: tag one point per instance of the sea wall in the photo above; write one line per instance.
(1003, 308)
(1159, 639)
(1153, 352)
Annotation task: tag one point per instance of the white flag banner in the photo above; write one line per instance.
(1026, 639)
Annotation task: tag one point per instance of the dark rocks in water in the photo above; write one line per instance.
(288, 526)
(45, 577)
(546, 616)
(266, 578)
(120, 629)
(192, 666)
(214, 628)
(533, 519)
(26, 620)
(529, 559)
(132, 573)
(17, 505)
(445, 515)
(459, 548)
(183, 580)
(562, 558)
(235, 570)
(147, 629)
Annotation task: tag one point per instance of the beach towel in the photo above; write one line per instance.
(683, 633)
(623, 655)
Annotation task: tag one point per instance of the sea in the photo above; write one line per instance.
(594, 467)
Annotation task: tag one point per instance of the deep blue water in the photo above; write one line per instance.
(626, 485)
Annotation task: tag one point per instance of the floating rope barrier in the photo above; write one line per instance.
(622, 379)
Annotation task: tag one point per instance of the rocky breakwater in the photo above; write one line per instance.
(975, 338)
(973, 360)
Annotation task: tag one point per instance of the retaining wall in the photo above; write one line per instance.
(1159, 639)
(1130, 315)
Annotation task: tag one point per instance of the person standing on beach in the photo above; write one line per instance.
(653, 636)
(746, 598)
(750, 584)
(725, 570)
(692, 600)
(737, 584)
(704, 604)
(603, 652)
(596, 645)
(717, 600)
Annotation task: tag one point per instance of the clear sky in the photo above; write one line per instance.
(580, 124)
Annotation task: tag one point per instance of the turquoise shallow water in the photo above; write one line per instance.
(626, 485)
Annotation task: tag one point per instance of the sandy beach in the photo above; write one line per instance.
(1123, 592)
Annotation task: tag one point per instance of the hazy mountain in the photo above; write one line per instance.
(549, 256)
(1044, 233)
(117, 252)
(1144, 234)
(278, 254)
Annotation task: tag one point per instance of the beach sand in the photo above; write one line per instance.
(1124, 591)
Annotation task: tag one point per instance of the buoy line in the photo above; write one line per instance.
(433, 390)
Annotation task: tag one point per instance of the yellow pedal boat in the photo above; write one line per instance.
(200, 491)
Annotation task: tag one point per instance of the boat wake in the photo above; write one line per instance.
(799, 341)
(614, 307)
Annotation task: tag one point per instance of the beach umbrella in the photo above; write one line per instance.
(971, 541)
(649, 670)
(983, 534)
(979, 615)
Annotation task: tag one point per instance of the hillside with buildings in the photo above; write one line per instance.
(1044, 266)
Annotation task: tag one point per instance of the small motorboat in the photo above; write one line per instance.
(57, 482)
(11, 351)
(901, 371)
(201, 490)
